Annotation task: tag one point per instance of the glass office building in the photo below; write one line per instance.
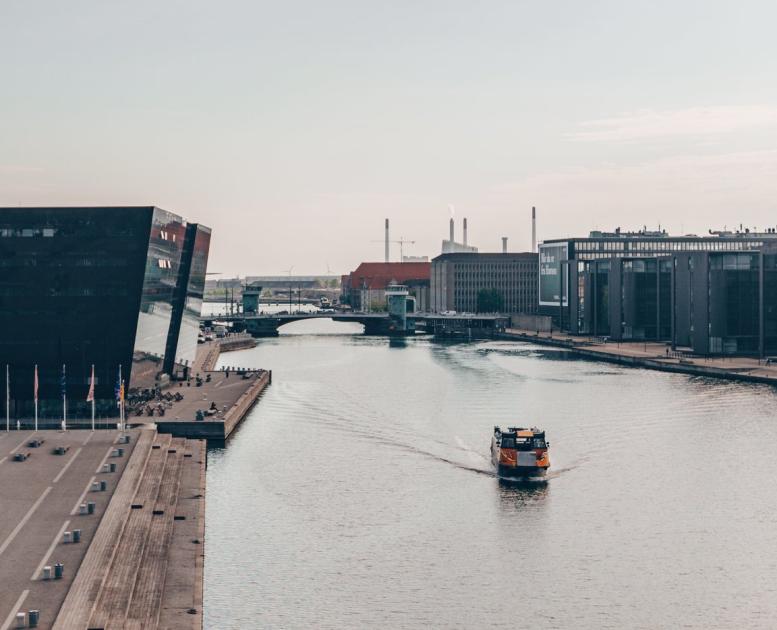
(713, 294)
(102, 286)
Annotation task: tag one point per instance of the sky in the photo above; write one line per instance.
(294, 128)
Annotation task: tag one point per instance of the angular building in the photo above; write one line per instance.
(106, 286)
(456, 280)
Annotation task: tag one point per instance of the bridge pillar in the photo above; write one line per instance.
(262, 327)
(399, 303)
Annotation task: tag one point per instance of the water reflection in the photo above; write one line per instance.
(397, 342)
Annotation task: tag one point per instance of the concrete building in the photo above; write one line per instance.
(365, 287)
(450, 246)
(120, 286)
(456, 280)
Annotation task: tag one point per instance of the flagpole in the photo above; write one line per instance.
(64, 397)
(36, 396)
(121, 404)
(92, 385)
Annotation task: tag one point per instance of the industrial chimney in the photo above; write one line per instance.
(451, 237)
(387, 240)
(465, 231)
(504, 244)
(533, 229)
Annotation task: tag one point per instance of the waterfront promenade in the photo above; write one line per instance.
(222, 398)
(100, 532)
(653, 355)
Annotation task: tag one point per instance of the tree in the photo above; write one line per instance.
(490, 301)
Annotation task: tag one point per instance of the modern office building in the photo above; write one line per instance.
(457, 279)
(726, 303)
(712, 295)
(109, 287)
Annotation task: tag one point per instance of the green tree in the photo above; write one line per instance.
(490, 301)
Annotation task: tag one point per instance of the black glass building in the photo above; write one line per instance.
(714, 294)
(109, 286)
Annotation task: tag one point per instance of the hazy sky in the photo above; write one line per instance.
(294, 128)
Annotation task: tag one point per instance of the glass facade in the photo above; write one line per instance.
(639, 303)
(734, 303)
(770, 303)
(195, 290)
(705, 293)
(593, 297)
(82, 287)
(634, 246)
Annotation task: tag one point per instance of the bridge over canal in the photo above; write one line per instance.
(456, 326)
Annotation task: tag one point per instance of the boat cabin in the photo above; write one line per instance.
(520, 439)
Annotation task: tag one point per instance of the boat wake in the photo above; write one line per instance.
(439, 458)
(557, 472)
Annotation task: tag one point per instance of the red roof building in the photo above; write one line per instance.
(365, 286)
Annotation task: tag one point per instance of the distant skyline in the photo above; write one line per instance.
(294, 129)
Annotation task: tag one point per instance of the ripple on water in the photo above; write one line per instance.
(358, 493)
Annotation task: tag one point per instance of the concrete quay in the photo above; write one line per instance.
(136, 514)
(224, 397)
(208, 353)
(227, 398)
(652, 355)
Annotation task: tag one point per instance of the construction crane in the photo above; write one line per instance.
(401, 242)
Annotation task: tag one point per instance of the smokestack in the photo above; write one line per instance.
(451, 230)
(465, 231)
(533, 229)
(387, 240)
(504, 244)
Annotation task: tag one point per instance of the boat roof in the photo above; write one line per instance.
(523, 431)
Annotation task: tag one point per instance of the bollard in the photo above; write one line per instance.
(76, 535)
(113, 467)
(67, 538)
(47, 572)
(90, 507)
(103, 485)
(82, 509)
(59, 570)
(33, 617)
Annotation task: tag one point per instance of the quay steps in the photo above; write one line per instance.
(122, 580)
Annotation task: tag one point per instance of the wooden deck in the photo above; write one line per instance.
(134, 573)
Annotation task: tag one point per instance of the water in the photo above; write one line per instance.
(358, 493)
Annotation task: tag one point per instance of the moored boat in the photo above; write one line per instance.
(519, 453)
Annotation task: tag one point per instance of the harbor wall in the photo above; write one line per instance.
(614, 356)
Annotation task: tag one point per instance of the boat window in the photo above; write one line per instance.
(523, 444)
(539, 443)
(508, 442)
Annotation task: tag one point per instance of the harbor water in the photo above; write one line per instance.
(358, 493)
